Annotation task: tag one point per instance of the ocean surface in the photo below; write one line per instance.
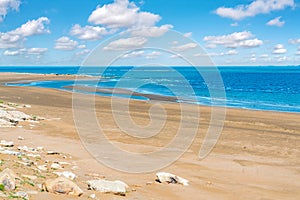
(260, 88)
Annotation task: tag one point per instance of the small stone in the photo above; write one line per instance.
(42, 167)
(20, 138)
(21, 194)
(55, 166)
(67, 174)
(171, 178)
(5, 143)
(52, 153)
(92, 196)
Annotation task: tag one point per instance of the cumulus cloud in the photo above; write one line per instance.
(153, 55)
(126, 43)
(276, 22)
(83, 52)
(151, 31)
(134, 54)
(31, 51)
(234, 24)
(37, 51)
(279, 49)
(122, 14)
(11, 53)
(6, 6)
(256, 7)
(88, 32)
(237, 39)
(189, 34)
(294, 41)
(298, 52)
(14, 38)
(184, 47)
(65, 44)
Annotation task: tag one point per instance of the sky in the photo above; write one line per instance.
(231, 32)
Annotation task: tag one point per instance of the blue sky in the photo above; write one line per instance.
(55, 32)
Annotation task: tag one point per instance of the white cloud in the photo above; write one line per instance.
(66, 44)
(83, 52)
(185, 47)
(126, 43)
(234, 24)
(151, 31)
(134, 54)
(264, 56)
(88, 32)
(33, 27)
(231, 52)
(256, 7)
(37, 51)
(279, 49)
(122, 14)
(82, 46)
(276, 22)
(11, 53)
(298, 52)
(189, 34)
(153, 55)
(294, 41)
(234, 40)
(30, 51)
(14, 38)
(6, 5)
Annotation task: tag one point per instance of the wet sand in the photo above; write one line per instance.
(256, 157)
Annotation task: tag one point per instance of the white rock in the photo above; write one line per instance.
(115, 187)
(21, 194)
(5, 143)
(20, 138)
(9, 152)
(5, 124)
(52, 152)
(171, 178)
(67, 174)
(55, 166)
(18, 116)
(42, 167)
(92, 196)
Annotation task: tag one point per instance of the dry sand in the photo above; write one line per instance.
(256, 157)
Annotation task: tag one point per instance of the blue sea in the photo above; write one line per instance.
(259, 88)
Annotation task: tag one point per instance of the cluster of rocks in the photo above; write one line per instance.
(10, 117)
(45, 173)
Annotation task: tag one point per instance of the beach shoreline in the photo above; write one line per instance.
(255, 157)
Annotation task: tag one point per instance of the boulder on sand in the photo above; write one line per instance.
(8, 179)
(171, 178)
(62, 185)
(115, 187)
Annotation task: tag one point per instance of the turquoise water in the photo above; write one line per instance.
(262, 88)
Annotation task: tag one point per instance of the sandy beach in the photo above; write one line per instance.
(256, 157)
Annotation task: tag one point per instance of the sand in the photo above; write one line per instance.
(256, 157)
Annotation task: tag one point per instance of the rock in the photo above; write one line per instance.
(5, 143)
(18, 116)
(67, 174)
(20, 138)
(92, 196)
(115, 187)
(62, 185)
(52, 153)
(42, 167)
(55, 166)
(171, 178)
(21, 194)
(5, 123)
(8, 179)
(9, 152)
